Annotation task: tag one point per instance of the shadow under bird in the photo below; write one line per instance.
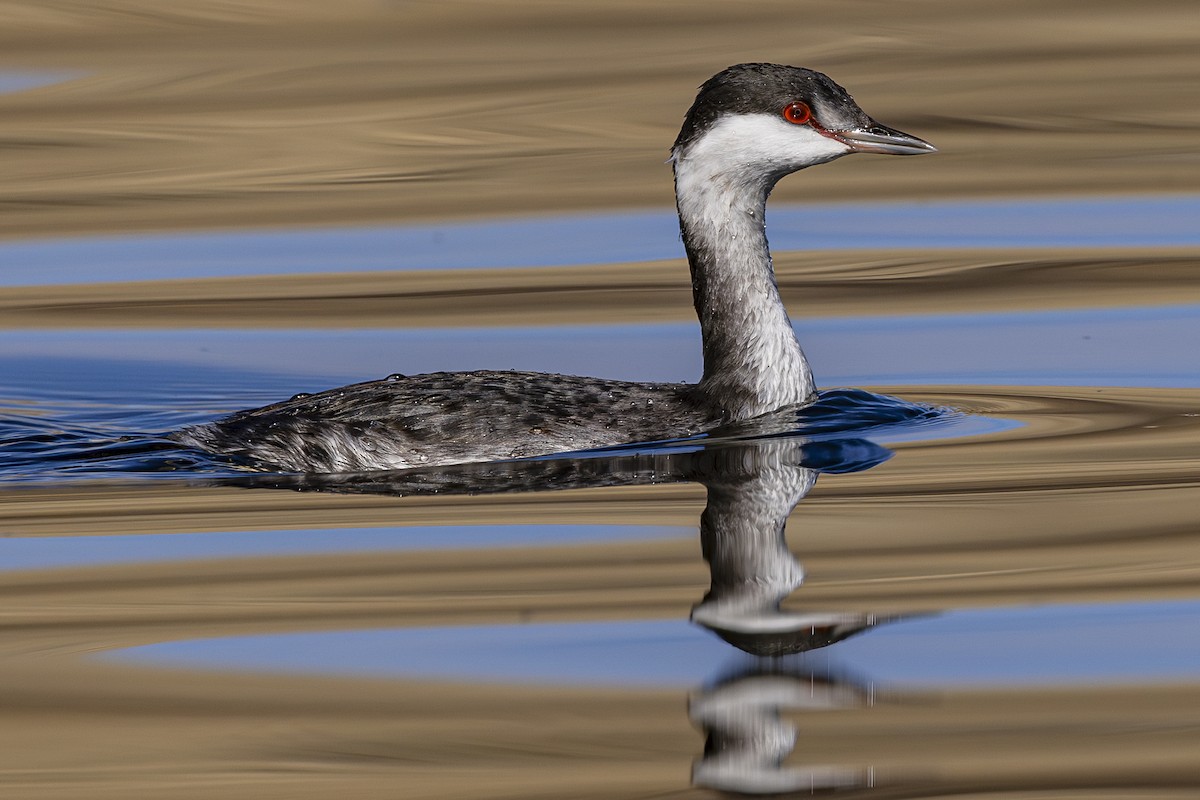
(750, 125)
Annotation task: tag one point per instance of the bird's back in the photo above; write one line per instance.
(452, 417)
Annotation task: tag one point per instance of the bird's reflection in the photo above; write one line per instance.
(752, 489)
(754, 478)
(748, 738)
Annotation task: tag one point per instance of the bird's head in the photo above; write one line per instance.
(767, 120)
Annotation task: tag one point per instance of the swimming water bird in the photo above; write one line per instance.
(750, 125)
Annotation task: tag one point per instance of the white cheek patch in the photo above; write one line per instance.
(756, 144)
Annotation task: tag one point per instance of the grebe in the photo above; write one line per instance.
(751, 124)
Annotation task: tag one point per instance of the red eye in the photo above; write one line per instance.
(797, 113)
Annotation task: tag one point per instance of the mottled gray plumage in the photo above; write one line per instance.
(734, 145)
(452, 417)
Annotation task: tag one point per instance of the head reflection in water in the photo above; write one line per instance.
(747, 737)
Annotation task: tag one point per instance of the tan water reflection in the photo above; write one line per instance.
(295, 111)
(824, 283)
(301, 113)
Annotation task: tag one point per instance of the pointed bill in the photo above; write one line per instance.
(882, 139)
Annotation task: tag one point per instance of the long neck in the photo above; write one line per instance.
(752, 361)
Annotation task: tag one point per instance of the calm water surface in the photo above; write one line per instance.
(1000, 553)
(970, 572)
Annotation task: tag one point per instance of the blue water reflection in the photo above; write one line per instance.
(1152, 347)
(12, 81)
(604, 238)
(1048, 645)
(89, 551)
